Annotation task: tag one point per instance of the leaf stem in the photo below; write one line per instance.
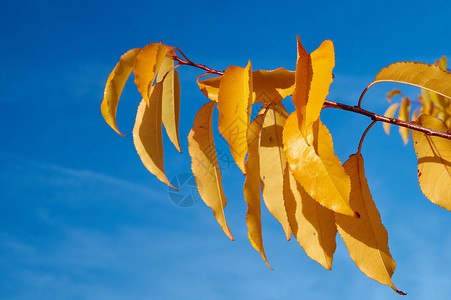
(327, 103)
(364, 134)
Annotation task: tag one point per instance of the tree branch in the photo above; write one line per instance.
(332, 104)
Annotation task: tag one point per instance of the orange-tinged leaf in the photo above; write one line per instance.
(316, 167)
(273, 164)
(272, 86)
(171, 99)
(434, 162)
(147, 135)
(114, 86)
(393, 93)
(404, 114)
(365, 237)
(314, 227)
(313, 78)
(146, 66)
(204, 164)
(429, 77)
(209, 87)
(389, 113)
(268, 86)
(251, 188)
(234, 106)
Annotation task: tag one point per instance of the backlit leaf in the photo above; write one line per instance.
(429, 77)
(273, 164)
(365, 237)
(171, 99)
(114, 86)
(313, 78)
(147, 135)
(316, 167)
(268, 86)
(314, 226)
(389, 113)
(252, 187)
(442, 63)
(434, 162)
(204, 164)
(146, 66)
(234, 106)
(404, 115)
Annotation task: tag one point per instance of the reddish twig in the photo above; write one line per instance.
(332, 104)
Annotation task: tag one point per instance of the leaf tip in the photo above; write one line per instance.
(400, 292)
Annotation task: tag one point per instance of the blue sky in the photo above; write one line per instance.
(80, 216)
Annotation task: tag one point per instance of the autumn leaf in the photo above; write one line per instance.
(147, 135)
(234, 106)
(389, 113)
(273, 164)
(430, 77)
(434, 162)
(204, 164)
(268, 86)
(393, 93)
(366, 237)
(314, 226)
(170, 99)
(147, 64)
(316, 167)
(313, 78)
(114, 86)
(251, 188)
(404, 114)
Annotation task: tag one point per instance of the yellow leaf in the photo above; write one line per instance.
(415, 115)
(392, 93)
(389, 113)
(209, 87)
(171, 99)
(442, 63)
(146, 66)
(252, 187)
(114, 86)
(204, 164)
(404, 114)
(273, 164)
(434, 162)
(268, 86)
(234, 106)
(429, 77)
(272, 86)
(313, 78)
(366, 237)
(314, 227)
(316, 167)
(147, 135)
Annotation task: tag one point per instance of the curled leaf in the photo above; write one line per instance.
(252, 187)
(393, 93)
(434, 162)
(209, 87)
(204, 164)
(313, 78)
(366, 237)
(234, 106)
(147, 64)
(114, 86)
(147, 135)
(389, 113)
(314, 226)
(430, 77)
(316, 167)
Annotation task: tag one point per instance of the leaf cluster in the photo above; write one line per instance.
(287, 157)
